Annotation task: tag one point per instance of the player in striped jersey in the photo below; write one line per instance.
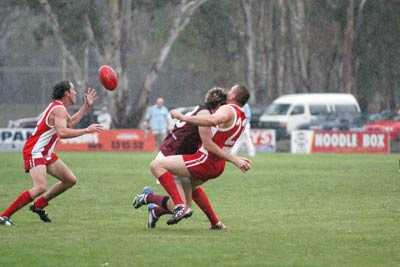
(38, 152)
(209, 161)
(184, 138)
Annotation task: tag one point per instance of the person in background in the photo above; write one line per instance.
(246, 135)
(104, 118)
(157, 120)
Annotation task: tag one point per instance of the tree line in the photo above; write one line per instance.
(180, 48)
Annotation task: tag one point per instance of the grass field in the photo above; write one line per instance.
(309, 210)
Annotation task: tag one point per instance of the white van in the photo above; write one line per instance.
(288, 112)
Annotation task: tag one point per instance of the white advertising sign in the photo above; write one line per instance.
(13, 139)
(301, 141)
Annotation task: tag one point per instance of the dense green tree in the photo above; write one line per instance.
(273, 46)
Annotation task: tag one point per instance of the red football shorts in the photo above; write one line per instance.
(203, 167)
(30, 162)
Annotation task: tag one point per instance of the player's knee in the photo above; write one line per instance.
(39, 189)
(71, 181)
(154, 165)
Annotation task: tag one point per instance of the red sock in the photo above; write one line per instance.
(201, 199)
(157, 199)
(41, 203)
(168, 182)
(160, 211)
(23, 199)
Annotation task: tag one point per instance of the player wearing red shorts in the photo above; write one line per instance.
(185, 139)
(209, 161)
(38, 152)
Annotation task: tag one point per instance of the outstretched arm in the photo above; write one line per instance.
(222, 116)
(60, 124)
(90, 97)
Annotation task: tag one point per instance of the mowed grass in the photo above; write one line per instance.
(289, 210)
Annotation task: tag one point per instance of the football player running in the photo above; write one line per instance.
(38, 152)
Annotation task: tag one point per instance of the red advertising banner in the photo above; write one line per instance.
(127, 140)
(350, 142)
(263, 140)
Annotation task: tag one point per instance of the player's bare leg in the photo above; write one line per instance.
(66, 179)
(173, 164)
(39, 179)
(65, 176)
(38, 174)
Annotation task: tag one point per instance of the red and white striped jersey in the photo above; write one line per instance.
(42, 142)
(225, 138)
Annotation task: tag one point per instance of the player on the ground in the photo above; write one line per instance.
(185, 139)
(38, 152)
(209, 161)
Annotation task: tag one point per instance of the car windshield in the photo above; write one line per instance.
(277, 109)
(318, 110)
(346, 109)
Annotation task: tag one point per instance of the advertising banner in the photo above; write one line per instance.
(350, 142)
(301, 141)
(130, 140)
(339, 142)
(127, 140)
(263, 140)
(13, 139)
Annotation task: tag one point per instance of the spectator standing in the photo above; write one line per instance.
(246, 135)
(104, 118)
(157, 120)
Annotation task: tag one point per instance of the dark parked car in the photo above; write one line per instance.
(256, 113)
(385, 121)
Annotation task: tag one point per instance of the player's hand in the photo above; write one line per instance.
(175, 114)
(95, 128)
(90, 97)
(244, 164)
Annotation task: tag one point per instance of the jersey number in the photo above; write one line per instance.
(232, 139)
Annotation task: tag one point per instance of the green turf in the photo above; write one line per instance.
(289, 210)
